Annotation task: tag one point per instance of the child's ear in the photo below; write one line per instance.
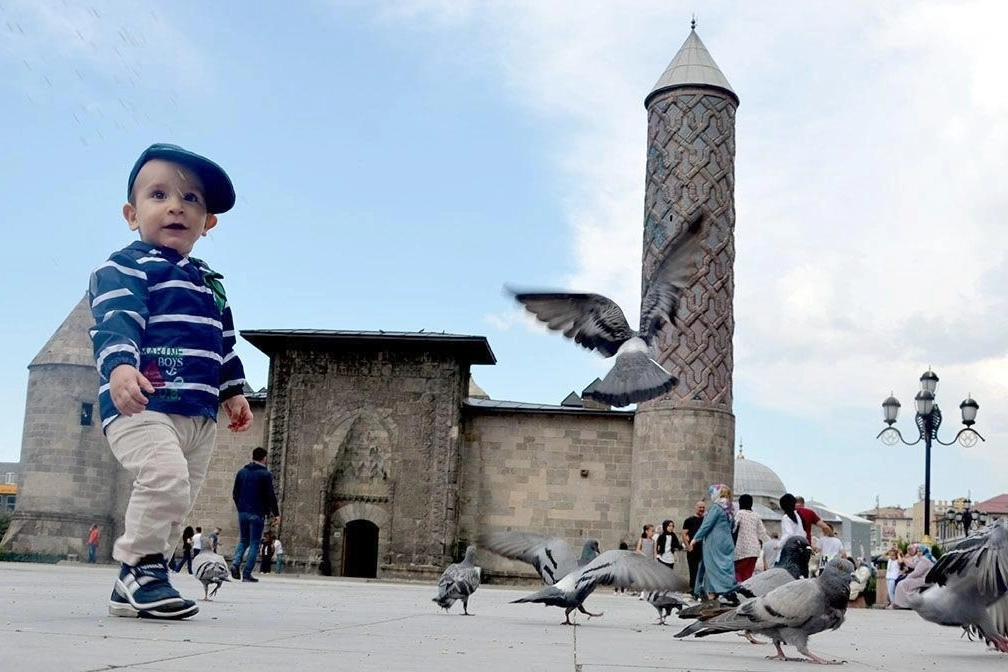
(129, 214)
(211, 221)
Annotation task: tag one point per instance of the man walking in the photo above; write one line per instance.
(94, 536)
(255, 499)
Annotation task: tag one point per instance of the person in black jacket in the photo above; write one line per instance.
(255, 499)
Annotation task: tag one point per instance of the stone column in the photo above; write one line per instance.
(683, 441)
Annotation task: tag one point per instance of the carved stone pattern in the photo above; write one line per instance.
(691, 163)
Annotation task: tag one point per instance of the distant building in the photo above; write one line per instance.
(9, 472)
(890, 526)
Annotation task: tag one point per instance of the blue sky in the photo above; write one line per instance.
(397, 163)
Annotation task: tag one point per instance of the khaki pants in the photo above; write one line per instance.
(168, 456)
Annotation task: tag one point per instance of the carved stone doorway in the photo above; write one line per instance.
(360, 549)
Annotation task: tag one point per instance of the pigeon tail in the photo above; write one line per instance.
(635, 377)
(550, 595)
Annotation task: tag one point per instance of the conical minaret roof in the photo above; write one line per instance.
(692, 66)
(71, 344)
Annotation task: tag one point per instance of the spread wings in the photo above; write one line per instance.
(682, 258)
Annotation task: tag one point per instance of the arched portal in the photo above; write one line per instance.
(360, 549)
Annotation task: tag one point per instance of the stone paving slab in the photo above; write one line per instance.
(54, 618)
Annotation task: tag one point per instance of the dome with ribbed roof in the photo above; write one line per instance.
(756, 479)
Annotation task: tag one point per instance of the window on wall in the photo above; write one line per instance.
(9, 504)
(86, 410)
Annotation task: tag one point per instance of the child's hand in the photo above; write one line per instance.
(238, 412)
(127, 386)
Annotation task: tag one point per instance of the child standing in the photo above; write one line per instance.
(164, 347)
(646, 546)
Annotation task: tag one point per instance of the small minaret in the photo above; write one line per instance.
(683, 441)
(69, 477)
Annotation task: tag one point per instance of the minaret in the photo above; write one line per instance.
(683, 441)
(69, 477)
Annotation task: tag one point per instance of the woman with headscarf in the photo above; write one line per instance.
(750, 537)
(717, 568)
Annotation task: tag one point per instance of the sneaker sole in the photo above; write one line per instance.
(126, 610)
(165, 606)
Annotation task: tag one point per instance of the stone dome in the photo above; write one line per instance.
(756, 479)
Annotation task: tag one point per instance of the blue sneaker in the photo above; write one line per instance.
(120, 606)
(143, 590)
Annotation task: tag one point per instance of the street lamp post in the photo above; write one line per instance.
(966, 517)
(928, 420)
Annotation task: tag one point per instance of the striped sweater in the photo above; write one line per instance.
(168, 316)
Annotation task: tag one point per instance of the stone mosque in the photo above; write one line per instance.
(389, 459)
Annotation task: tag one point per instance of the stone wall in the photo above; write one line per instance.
(68, 474)
(214, 507)
(375, 431)
(560, 474)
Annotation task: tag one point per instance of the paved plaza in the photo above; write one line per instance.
(55, 619)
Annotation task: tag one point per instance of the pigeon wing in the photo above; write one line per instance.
(590, 320)
(552, 557)
(626, 569)
(982, 557)
(670, 279)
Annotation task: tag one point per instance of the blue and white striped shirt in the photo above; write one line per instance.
(167, 315)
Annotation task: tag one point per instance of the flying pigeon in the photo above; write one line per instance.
(624, 569)
(209, 567)
(970, 586)
(794, 554)
(458, 582)
(597, 323)
(791, 613)
(552, 557)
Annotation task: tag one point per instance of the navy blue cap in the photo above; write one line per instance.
(220, 193)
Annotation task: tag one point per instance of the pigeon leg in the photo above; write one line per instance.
(748, 636)
(465, 608)
(814, 658)
(567, 614)
(1000, 643)
(585, 611)
(780, 653)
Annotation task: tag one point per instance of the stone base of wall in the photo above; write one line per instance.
(52, 533)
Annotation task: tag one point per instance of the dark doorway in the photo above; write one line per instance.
(360, 549)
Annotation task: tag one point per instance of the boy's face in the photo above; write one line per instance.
(169, 207)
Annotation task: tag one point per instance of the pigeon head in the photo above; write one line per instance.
(590, 550)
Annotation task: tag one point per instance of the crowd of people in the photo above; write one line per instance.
(725, 545)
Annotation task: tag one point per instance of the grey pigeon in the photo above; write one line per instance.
(791, 613)
(210, 568)
(552, 557)
(794, 554)
(667, 600)
(618, 568)
(597, 323)
(458, 582)
(970, 587)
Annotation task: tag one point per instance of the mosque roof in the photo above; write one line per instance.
(692, 66)
(71, 344)
(756, 479)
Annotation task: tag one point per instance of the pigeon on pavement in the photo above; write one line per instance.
(458, 582)
(209, 567)
(791, 613)
(969, 586)
(667, 600)
(794, 554)
(618, 568)
(552, 557)
(597, 323)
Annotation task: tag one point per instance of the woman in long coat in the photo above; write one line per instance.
(717, 568)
